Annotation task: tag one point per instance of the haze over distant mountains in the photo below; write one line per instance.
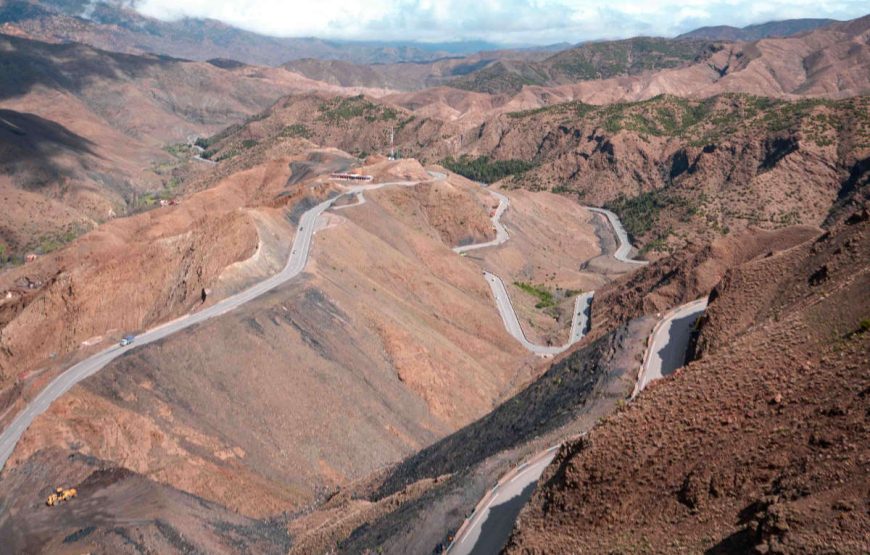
(117, 27)
(112, 26)
(785, 28)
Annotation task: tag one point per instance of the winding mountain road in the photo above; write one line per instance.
(492, 521)
(493, 518)
(668, 343)
(295, 264)
(501, 234)
(625, 247)
(582, 304)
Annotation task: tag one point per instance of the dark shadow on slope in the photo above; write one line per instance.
(25, 64)
(29, 143)
(585, 380)
(554, 399)
(494, 533)
(673, 354)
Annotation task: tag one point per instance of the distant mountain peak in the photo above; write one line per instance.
(757, 31)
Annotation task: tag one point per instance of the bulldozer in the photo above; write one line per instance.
(60, 494)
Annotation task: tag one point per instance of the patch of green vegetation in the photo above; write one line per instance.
(485, 169)
(404, 123)
(589, 61)
(660, 116)
(574, 108)
(658, 244)
(498, 78)
(864, 325)
(627, 57)
(231, 153)
(639, 214)
(257, 117)
(544, 295)
(343, 109)
(249, 143)
(710, 121)
(177, 150)
(50, 243)
(296, 130)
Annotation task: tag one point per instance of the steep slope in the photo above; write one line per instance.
(119, 511)
(388, 327)
(779, 387)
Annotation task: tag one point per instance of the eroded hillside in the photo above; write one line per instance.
(779, 384)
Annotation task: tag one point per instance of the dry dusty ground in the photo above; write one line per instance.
(388, 326)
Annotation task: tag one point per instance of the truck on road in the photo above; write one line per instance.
(127, 340)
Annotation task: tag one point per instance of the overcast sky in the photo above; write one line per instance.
(498, 21)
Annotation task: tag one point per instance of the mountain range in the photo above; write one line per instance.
(389, 298)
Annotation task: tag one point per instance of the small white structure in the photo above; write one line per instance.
(351, 177)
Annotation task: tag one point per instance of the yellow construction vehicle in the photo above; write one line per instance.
(59, 495)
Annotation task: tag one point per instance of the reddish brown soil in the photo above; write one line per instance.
(387, 327)
(761, 444)
(687, 275)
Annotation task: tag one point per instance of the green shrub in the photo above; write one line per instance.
(343, 109)
(544, 295)
(639, 214)
(485, 169)
(296, 130)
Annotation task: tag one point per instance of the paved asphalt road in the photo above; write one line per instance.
(582, 305)
(490, 527)
(488, 530)
(512, 323)
(501, 234)
(582, 314)
(91, 365)
(624, 248)
(670, 340)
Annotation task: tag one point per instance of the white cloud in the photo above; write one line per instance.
(501, 21)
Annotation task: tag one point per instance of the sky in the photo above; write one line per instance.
(510, 22)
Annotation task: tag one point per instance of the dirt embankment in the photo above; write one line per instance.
(412, 506)
(758, 446)
(457, 213)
